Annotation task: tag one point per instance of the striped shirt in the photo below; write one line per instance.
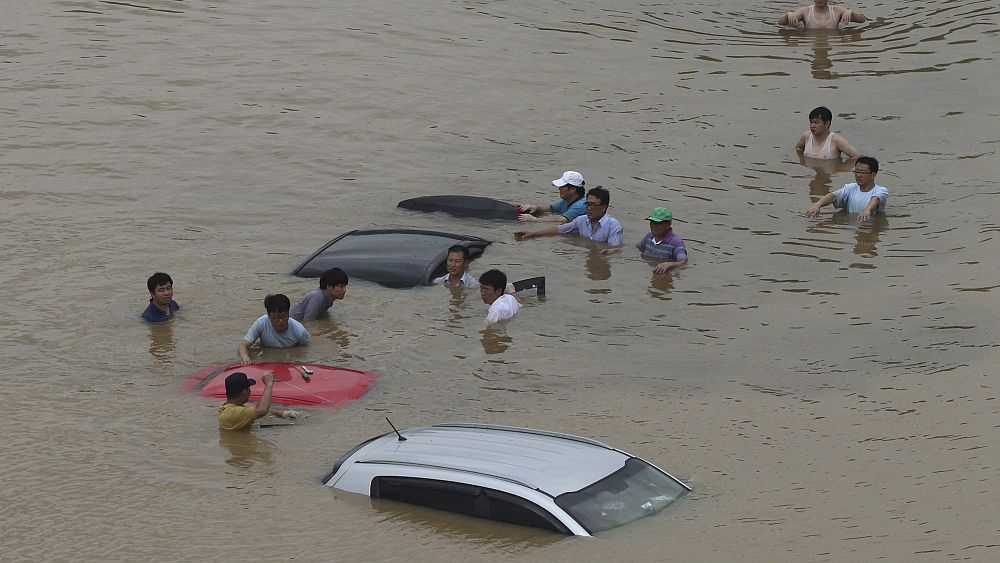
(671, 248)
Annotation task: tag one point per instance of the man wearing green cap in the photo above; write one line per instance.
(662, 243)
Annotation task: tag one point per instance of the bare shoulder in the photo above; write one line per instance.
(803, 139)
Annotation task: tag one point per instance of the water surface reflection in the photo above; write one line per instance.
(248, 448)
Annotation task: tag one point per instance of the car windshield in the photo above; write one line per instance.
(634, 491)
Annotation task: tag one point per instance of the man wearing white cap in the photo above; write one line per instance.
(569, 206)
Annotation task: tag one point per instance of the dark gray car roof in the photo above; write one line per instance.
(463, 206)
(390, 257)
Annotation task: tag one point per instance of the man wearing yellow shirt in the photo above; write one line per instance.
(234, 415)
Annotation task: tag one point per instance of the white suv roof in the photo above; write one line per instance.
(534, 465)
(550, 462)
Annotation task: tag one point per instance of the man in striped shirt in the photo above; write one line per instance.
(662, 243)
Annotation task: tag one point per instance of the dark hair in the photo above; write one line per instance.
(580, 190)
(822, 113)
(459, 248)
(157, 279)
(333, 276)
(277, 303)
(236, 384)
(600, 193)
(493, 278)
(870, 161)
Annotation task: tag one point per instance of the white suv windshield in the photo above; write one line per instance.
(634, 491)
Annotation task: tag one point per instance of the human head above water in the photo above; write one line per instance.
(868, 161)
(277, 303)
(457, 260)
(570, 180)
(237, 383)
(821, 113)
(333, 276)
(494, 278)
(158, 279)
(458, 248)
(601, 194)
(492, 285)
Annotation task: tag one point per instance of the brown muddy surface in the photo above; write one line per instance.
(828, 388)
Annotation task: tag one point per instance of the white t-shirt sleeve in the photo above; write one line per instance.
(882, 194)
(502, 309)
(255, 329)
(840, 196)
(303, 334)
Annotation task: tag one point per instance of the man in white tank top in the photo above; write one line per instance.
(821, 15)
(822, 143)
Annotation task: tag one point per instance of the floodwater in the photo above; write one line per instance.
(828, 388)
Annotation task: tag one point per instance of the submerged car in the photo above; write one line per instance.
(560, 482)
(391, 257)
(463, 206)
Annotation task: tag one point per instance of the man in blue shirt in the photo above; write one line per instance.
(274, 330)
(569, 206)
(161, 299)
(596, 225)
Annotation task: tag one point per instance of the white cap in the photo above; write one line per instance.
(569, 177)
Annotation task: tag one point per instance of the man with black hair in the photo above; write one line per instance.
(495, 292)
(332, 286)
(161, 299)
(235, 415)
(457, 266)
(274, 330)
(596, 225)
(820, 142)
(863, 197)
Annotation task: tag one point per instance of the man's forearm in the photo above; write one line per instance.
(553, 219)
(264, 404)
(243, 350)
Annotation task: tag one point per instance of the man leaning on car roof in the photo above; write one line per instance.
(234, 415)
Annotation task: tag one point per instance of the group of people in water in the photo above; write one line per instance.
(580, 211)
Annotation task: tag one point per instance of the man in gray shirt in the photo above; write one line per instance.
(332, 286)
(274, 330)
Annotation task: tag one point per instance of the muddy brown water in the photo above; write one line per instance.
(828, 388)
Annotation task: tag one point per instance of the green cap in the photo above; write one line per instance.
(660, 214)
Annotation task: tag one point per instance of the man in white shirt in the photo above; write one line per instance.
(863, 197)
(493, 287)
(457, 266)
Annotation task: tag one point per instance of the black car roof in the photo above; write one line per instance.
(390, 257)
(463, 206)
